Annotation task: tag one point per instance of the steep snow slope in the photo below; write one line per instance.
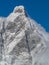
(22, 40)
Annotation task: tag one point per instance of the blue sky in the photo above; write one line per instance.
(37, 9)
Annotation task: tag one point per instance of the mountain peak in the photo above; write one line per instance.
(22, 40)
(19, 9)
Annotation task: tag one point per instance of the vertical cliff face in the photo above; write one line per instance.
(22, 40)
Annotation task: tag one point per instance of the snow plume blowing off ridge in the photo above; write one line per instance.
(22, 40)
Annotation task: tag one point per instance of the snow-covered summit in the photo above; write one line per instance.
(22, 40)
(19, 9)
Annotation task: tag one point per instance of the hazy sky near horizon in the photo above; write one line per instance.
(37, 9)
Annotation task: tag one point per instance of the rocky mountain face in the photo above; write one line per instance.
(22, 40)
